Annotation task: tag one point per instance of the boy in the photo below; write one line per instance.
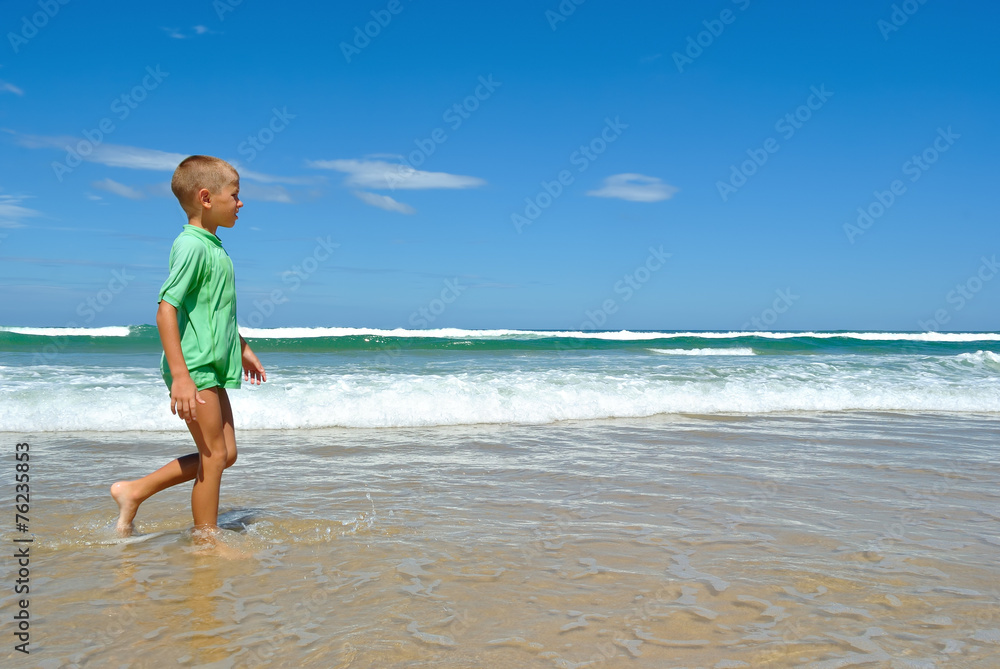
(202, 350)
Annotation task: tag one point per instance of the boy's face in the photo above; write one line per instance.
(226, 205)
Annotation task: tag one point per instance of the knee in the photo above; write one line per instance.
(216, 462)
(213, 464)
(230, 458)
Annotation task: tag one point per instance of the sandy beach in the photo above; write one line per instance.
(825, 540)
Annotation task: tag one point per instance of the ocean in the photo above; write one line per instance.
(503, 498)
(107, 379)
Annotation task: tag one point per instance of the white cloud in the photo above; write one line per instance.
(112, 155)
(139, 158)
(380, 175)
(390, 156)
(119, 189)
(384, 202)
(197, 30)
(7, 87)
(11, 211)
(264, 193)
(248, 191)
(160, 189)
(136, 158)
(270, 178)
(635, 188)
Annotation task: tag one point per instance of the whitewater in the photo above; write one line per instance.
(107, 379)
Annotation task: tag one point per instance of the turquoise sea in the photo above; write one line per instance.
(107, 379)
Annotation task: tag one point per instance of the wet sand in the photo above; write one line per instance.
(823, 540)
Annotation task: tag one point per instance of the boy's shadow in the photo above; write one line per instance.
(239, 520)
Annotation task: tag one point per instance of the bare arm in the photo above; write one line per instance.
(253, 371)
(183, 391)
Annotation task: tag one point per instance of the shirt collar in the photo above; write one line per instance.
(202, 232)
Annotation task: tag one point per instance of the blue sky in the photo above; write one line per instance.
(647, 111)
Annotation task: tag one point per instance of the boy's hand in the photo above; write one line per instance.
(253, 371)
(184, 398)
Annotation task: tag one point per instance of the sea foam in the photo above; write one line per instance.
(70, 398)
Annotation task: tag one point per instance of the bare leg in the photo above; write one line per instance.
(130, 494)
(228, 429)
(209, 435)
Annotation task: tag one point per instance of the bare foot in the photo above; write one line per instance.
(224, 551)
(127, 506)
(210, 541)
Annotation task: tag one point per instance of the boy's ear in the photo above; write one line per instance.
(205, 197)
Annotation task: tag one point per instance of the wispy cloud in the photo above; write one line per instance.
(390, 156)
(635, 188)
(120, 189)
(384, 202)
(12, 213)
(60, 262)
(380, 175)
(249, 191)
(112, 155)
(7, 87)
(263, 193)
(176, 33)
(140, 158)
(272, 179)
(159, 189)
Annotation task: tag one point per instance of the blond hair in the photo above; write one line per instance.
(197, 172)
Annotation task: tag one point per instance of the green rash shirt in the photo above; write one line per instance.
(202, 286)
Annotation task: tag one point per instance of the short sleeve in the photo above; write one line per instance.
(187, 258)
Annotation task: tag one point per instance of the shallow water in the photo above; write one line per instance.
(824, 540)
